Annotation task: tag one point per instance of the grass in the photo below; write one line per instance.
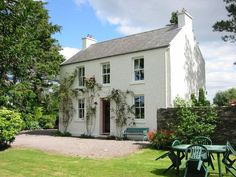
(19, 162)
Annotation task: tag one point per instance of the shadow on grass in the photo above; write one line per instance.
(169, 173)
(4, 147)
(143, 145)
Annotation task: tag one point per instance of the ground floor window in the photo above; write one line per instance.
(139, 106)
(81, 107)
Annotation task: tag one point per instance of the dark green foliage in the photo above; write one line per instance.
(48, 121)
(197, 118)
(29, 59)
(174, 17)
(193, 123)
(28, 51)
(230, 24)
(35, 115)
(201, 101)
(223, 98)
(10, 125)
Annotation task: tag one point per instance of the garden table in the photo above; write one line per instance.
(218, 149)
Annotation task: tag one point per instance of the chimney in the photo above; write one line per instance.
(87, 41)
(184, 19)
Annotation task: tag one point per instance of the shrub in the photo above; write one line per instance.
(10, 125)
(194, 120)
(161, 138)
(47, 121)
(29, 122)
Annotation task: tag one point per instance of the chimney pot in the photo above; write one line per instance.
(87, 41)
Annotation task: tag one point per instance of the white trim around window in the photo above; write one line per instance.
(139, 103)
(81, 109)
(81, 76)
(138, 69)
(106, 73)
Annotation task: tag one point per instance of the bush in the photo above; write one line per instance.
(47, 121)
(194, 121)
(160, 139)
(29, 122)
(10, 125)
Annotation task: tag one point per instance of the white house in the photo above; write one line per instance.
(155, 65)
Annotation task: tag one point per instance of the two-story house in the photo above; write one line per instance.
(156, 66)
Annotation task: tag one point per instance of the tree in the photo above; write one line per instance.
(222, 98)
(201, 101)
(230, 24)
(28, 51)
(174, 17)
(29, 56)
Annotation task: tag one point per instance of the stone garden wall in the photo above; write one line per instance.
(226, 125)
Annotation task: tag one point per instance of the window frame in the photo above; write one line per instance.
(139, 69)
(81, 108)
(140, 107)
(106, 74)
(81, 78)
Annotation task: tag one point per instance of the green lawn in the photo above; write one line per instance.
(19, 162)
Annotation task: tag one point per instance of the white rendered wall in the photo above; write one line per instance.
(187, 65)
(153, 88)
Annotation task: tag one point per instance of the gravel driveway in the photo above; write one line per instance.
(93, 148)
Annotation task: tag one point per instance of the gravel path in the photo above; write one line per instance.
(93, 148)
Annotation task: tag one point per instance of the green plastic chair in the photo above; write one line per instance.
(172, 156)
(195, 166)
(229, 159)
(203, 140)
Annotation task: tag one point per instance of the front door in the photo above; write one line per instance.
(105, 116)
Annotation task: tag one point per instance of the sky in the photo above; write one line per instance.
(108, 19)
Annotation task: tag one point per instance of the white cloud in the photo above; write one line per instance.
(151, 14)
(220, 71)
(135, 16)
(68, 52)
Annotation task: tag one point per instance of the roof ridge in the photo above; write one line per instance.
(134, 34)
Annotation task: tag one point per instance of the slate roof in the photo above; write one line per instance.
(138, 42)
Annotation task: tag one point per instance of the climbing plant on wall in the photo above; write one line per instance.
(122, 110)
(66, 93)
(89, 92)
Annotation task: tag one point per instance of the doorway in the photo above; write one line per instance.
(105, 116)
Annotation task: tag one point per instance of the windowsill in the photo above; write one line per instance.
(141, 121)
(137, 82)
(81, 87)
(79, 120)
(106, 85)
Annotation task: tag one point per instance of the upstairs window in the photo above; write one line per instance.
(81, 71)
(139, 107)
(139, 69)
(81, 108)
(106, 73)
